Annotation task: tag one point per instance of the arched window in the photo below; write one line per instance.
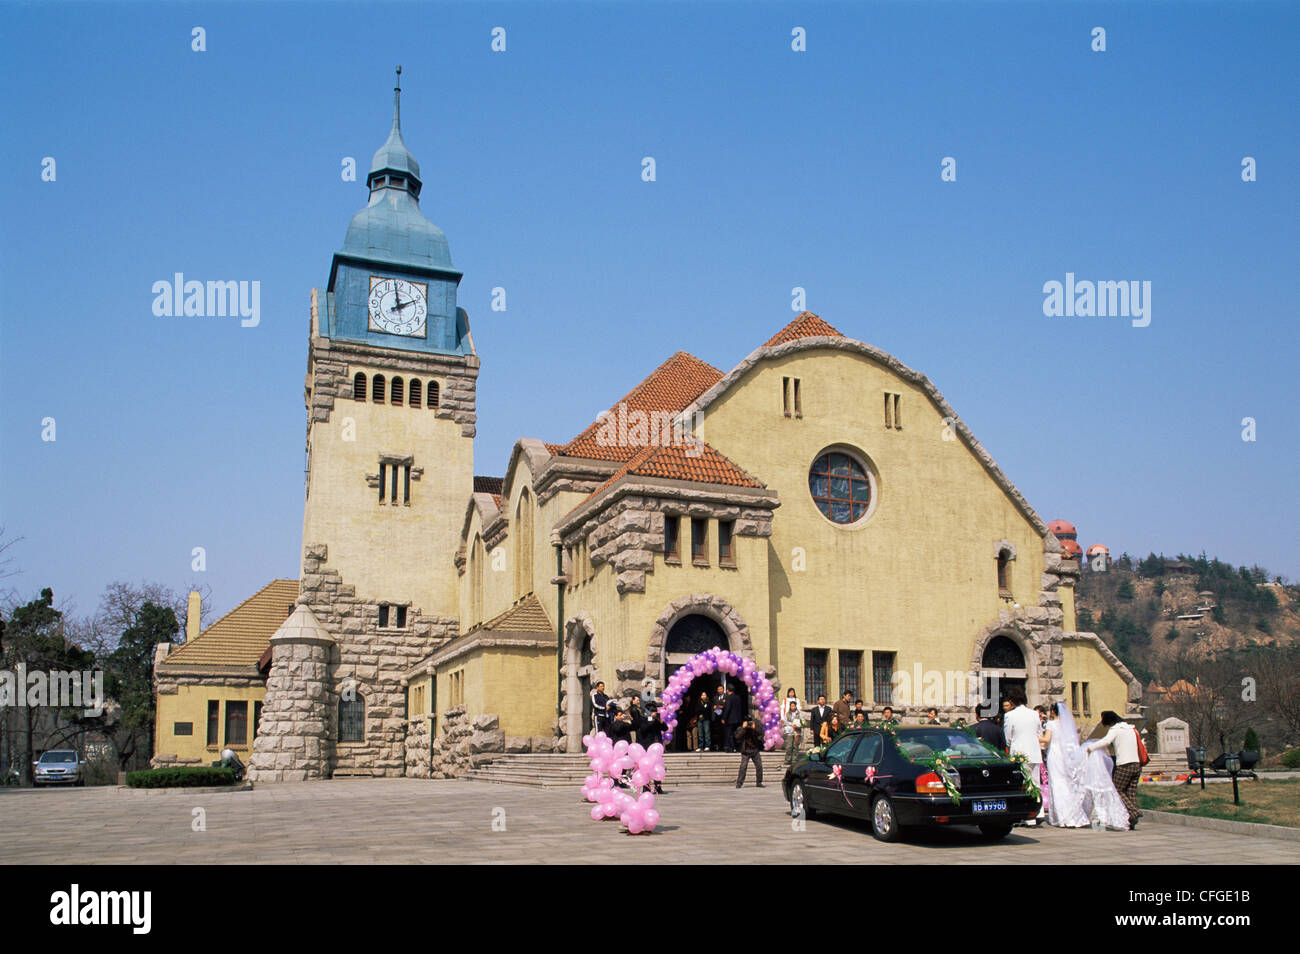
(377, 389)
(524, 545)
(359, 387)
(476, 558)
(416, 396)
(1002, 653)
(352, 719)
(397, 392)
(433, 394)
(1004, 572)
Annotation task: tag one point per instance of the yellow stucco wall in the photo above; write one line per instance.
(190, 704)
(918, 577)
(517, 685)
(344, 513)
(1067, 607)
(1107, 689)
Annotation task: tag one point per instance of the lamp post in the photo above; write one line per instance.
(1232, 762)
(1200, 758)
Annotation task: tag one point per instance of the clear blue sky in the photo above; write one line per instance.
(775, 169)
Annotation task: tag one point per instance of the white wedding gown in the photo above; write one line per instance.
(1082, 790)
(1065, 779)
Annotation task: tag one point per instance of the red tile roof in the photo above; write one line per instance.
(700, 463)
(807, 325)
(670, 388)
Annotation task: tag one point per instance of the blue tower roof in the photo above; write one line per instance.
(391, 228)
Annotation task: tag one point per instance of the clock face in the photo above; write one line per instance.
(398, 307)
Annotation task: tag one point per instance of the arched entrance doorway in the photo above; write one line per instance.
(689, 636)
(1002, 668)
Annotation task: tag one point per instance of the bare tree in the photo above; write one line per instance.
(1209, 694)
(1277, 679)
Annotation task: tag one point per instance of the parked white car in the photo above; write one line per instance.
(60, 767)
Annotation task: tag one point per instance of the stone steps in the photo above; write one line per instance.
(567, 770)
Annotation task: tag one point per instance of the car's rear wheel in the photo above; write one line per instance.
(993, 832)
(799, 807)
(884, 823)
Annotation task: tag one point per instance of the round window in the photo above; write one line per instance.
(841, 487)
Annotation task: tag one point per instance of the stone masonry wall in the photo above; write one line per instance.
(466, 742)
(417, 747)
(628, 533)
(373, 661)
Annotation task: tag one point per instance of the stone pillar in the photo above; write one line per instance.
(292, 743)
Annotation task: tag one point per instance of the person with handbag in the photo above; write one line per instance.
(1129, 754)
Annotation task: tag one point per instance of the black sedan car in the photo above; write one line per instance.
(880, 782)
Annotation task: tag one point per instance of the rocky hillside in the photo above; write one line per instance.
(1154, 610)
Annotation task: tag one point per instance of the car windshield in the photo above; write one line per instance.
(49, 757)
(927, 743)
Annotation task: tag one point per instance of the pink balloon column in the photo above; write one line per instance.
(633, 765)
(724, 661)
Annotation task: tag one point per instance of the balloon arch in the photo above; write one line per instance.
(721, 660)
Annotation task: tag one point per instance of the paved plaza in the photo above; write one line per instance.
(394, 821)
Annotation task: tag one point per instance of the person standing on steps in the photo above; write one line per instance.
(751, 747)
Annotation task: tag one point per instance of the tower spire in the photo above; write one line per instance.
(397, 101)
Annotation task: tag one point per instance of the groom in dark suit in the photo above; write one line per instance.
(733, 714)
(821, 714)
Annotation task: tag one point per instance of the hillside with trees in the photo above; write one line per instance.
(1225, 639)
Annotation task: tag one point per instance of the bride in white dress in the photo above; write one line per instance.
(1083, 792)
(1064, 771)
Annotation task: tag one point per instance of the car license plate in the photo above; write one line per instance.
(991, 805)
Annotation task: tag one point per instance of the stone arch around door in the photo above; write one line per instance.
(579, 631)
(715, 608)
(1036, 651)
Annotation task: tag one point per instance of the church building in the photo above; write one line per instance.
(818, 508)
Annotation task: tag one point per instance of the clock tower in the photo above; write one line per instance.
(390, 395)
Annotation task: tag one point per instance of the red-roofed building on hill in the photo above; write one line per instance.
(819, 509)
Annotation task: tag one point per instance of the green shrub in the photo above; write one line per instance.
(196, 777)
(1251, 742)
(1291, 759)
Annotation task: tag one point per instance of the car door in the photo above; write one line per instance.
(823, 791)
(866, 755)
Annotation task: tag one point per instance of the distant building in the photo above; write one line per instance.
(1098, 558)
(1068, 537)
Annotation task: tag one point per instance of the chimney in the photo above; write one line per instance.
(192, 616)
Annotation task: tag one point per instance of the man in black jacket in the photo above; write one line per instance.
(987, 730)
(821, 714)
(600, 707)
(635, 717)
(751, 745)
(620, 729)
(733, 715)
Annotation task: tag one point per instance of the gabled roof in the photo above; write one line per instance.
(699, 462)
(526, 616)
(806, 325)
(667, 389)
(816, 337)
(240, 637)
